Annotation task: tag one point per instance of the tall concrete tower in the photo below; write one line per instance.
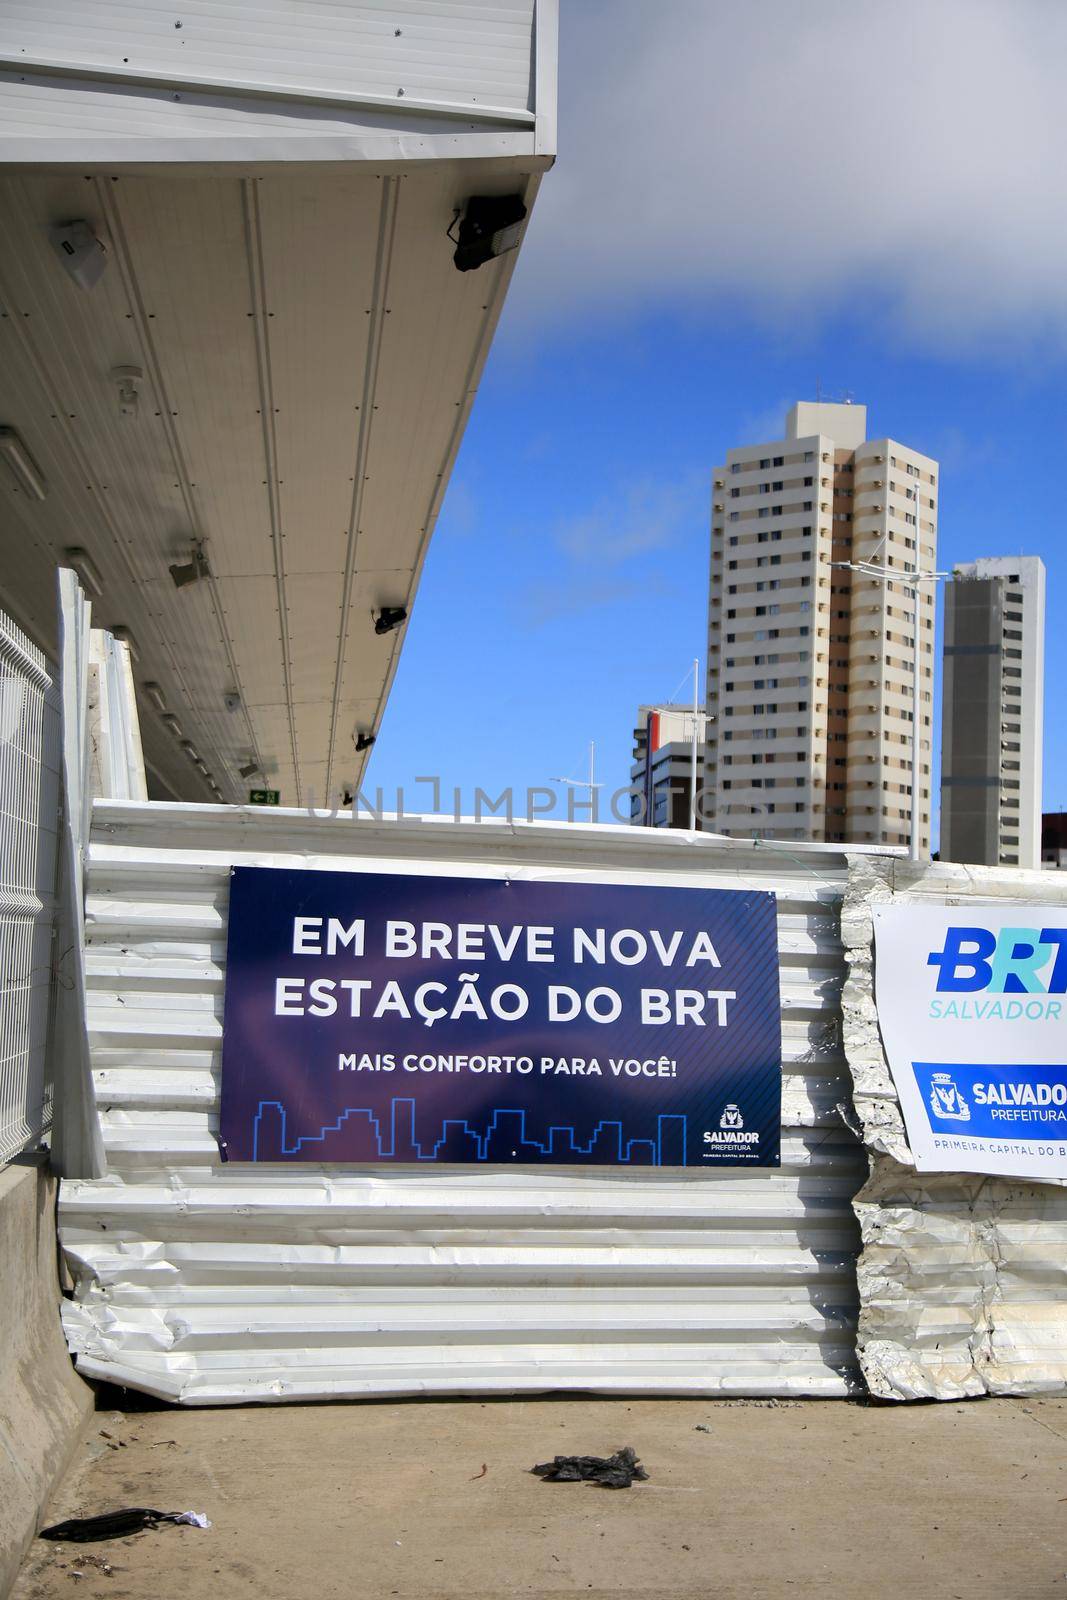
(810, 667)
(993, 712)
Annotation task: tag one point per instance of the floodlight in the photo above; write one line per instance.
(84, 566)
(191, 571)
(83, 255)
(124, 636)
(22, 468)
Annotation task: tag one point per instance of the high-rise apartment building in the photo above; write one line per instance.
(991, 726)
(810, 666)
(661, 777)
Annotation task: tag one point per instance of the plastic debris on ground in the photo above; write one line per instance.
(617, 1471)
(118, 1524)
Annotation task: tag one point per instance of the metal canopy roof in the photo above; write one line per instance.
(309, 354)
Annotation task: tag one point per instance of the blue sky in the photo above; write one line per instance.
(668, 306)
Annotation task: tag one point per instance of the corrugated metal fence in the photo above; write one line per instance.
(211, 1284)
(29, 820)
(963, 1278)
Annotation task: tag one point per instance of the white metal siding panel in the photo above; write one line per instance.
(475, 54)
(209, 1283)
(47, 120)
(962, 1278)
(29, 813)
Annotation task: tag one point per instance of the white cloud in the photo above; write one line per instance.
(642, 516)
(779, 150)
(550, 602)
(600, 552)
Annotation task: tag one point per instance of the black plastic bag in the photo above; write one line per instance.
(611, 1472)
(117, 1524)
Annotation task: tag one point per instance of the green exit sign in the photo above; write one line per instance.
(264, 797)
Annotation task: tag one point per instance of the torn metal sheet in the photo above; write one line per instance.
(962, 1278)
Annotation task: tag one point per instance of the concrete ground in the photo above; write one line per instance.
(434, 1499)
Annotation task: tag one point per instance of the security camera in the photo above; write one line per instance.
(491, 224)
(388, 618)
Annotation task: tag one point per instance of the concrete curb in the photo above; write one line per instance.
(44, 1405)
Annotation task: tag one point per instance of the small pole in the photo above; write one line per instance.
(693, 762)
(883, 575)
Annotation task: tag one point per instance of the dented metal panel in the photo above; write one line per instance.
(211, 1284)
(962, 1278)
(86, 82)
(474, 56)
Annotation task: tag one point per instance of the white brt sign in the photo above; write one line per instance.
(972, 1005)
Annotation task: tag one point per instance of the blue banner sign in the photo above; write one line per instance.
(378, 1017)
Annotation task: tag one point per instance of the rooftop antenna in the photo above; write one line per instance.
(585, 783)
